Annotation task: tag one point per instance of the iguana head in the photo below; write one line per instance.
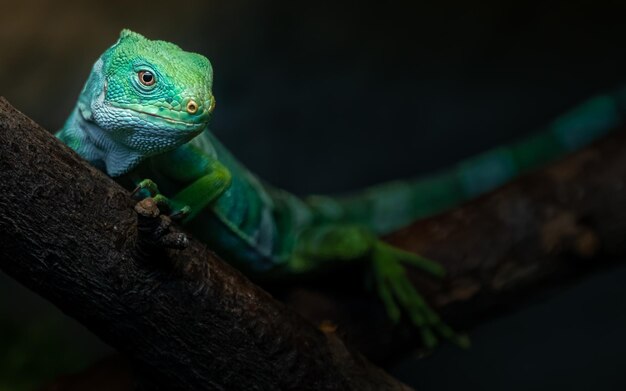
(148, 96)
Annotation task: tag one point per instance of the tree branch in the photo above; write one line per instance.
(188, 321)
(68, 232)
(543, 229)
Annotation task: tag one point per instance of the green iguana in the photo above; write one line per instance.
(144, 113)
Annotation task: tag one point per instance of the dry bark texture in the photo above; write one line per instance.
(544, 229)
(68, 232)
(186, 319)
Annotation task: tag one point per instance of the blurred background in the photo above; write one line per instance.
(325, 97)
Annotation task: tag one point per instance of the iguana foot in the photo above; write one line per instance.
(332, 243)
(399, 295)
(148, 188)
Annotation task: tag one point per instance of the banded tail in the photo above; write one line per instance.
(392, 205)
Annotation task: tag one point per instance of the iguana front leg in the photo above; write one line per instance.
(205, 189)
(207, 179)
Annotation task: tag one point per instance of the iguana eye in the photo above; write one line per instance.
(146, 78)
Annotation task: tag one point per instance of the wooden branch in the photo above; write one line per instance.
(546, 228)
(187, 320)
(543, 229)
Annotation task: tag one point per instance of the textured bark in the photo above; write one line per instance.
(185, 319)
(543, 229)
(68, 232)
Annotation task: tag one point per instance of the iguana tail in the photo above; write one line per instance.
(393, 205)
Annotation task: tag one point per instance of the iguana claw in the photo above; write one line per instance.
(148, 185)
(168, 207)
(399, 295)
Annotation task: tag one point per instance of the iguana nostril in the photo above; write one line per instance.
(192, 107)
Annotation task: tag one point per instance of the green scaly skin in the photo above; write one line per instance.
(135, 128)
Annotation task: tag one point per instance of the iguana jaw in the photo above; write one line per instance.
(166, 118)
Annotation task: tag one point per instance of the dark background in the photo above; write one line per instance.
(331, 96)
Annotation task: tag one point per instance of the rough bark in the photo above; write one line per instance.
(542, 230)
(186, 319)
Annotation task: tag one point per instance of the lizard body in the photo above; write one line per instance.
(144, 113)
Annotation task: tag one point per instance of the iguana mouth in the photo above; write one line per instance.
(168, 119)
(165, 118)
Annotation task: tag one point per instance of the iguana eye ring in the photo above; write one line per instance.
(146, 78)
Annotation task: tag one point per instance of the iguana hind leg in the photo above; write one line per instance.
(331, 242)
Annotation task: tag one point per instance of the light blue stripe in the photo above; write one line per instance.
(586, 123)
(487, 171)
